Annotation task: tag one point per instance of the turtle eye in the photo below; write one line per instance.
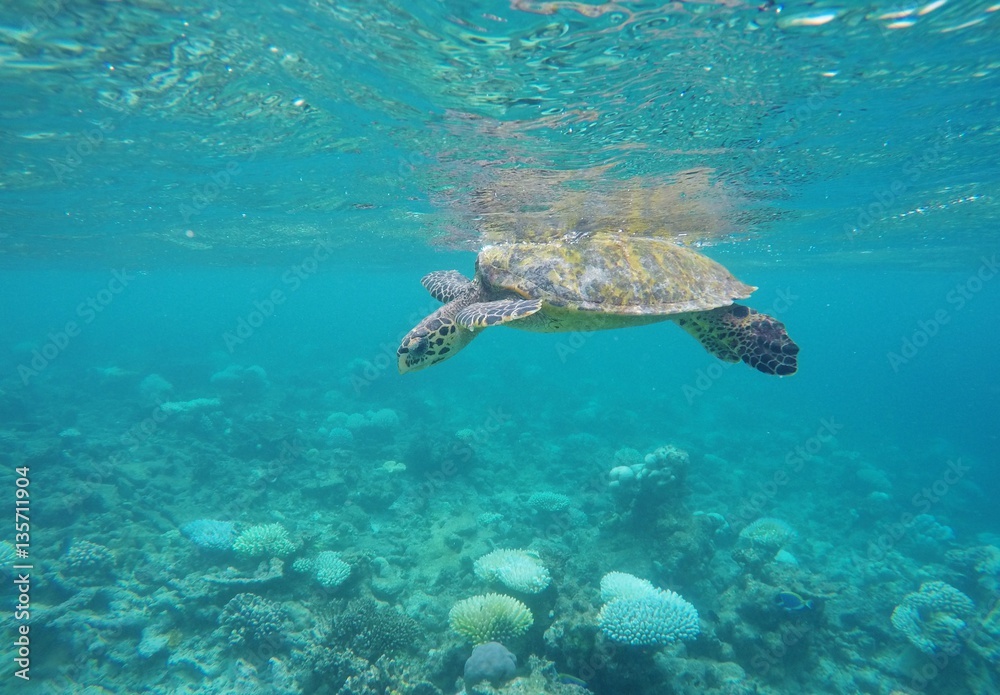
(418, 345)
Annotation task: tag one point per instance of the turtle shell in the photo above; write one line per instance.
(611, 274)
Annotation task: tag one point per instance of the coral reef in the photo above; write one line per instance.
(641, 615)
(252, 619)
(240, 380)
(518, 570)
(372, 630)
(210, 534)
(429, 499)
(616, 585)
(491, 662)
(933, 618)
(490, 618)
(88, 563)
(768, 532)
(664, 467)
(331, 570)
(264, 540)
(548, 501)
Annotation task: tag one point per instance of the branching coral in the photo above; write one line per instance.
(639, 614)
(520, 570)
(490, 618)
(264, 540)
(249, 618)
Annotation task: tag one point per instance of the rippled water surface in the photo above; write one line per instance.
(836, 129)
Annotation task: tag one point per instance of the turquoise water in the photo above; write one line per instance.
(213, 223)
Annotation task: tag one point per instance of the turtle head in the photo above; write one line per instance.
(433, 340)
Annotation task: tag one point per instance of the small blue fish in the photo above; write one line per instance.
(567, 679)
(791, 601)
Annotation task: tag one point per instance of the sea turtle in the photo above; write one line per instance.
(598, 282)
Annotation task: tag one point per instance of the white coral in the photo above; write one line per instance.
(520, 570)
(264, 540)
(616, 585)
(331, 571)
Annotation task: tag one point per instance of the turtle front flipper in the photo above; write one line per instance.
(485, 314)
(446, 285)
(737, 332)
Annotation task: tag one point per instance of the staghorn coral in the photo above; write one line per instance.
(933, 618)
(264, 540)
(490, 618)
(520, 570)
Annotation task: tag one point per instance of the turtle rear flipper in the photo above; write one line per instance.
(737, 332)
(446, 285)
(485, 314)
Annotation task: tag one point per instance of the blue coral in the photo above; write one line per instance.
(653, 620)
